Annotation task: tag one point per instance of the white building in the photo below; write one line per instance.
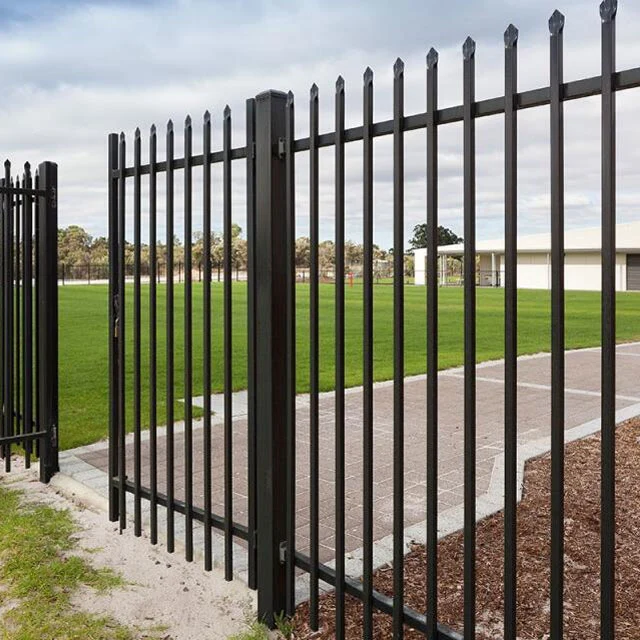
(582, 260)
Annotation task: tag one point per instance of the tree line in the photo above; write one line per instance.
(76, 247)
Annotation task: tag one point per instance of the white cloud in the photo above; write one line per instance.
(72, 75)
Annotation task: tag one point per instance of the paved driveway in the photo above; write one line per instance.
(89, 464)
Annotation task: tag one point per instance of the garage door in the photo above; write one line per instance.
(633, 272)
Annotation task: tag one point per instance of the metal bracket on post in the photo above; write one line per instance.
(282, 149)
(270, 357)
(48, 318)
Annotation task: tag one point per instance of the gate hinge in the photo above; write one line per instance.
(283, 552)
(253, 150)
(282, 149)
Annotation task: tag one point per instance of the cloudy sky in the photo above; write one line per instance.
(74, 71)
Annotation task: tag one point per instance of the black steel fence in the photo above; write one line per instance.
(29, 349)
(270, 152)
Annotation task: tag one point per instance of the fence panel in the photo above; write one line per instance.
(555, 95)
(29, 349)
(173, 467)
(277, 418)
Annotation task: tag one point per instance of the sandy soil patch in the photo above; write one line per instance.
(163, 590)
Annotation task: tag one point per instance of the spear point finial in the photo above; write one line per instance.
(556, 23)
(468, 48)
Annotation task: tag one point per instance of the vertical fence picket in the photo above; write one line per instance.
(122, 472)
(153, 336)
(608, 354)
(114, 283)
(17, 412)
(398, 349)
(432, 345)
(188, 340)
(510, 330)
(170, 330)
(228, 346)
(340, 358)
(367, 422)
(3, 270)
(556, 25)
(37, 236)
(314, 354)
(206, 334)
(291, 352)
(468, 52)
(8, 317)
(27, 314)
(137, 336)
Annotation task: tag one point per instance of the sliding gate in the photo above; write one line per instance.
(29, 313)
(153, 339)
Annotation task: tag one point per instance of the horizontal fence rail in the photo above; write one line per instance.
(276, 451)
(29, 312)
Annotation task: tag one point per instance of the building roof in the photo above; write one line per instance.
(575, 240)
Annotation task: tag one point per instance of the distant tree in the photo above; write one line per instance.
(445, 236)
(100, 250)
(198, 247)
(326, 257)
(409, 265)
(74, 245)
(352, 254)
(240, 253)
(303, 253)
(379, 254)
(217, 251)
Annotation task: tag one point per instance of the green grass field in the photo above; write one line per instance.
(84, 357)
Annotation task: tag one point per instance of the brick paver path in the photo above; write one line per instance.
(582, 405)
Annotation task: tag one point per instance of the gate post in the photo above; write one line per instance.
(48, 318)
(270, 277)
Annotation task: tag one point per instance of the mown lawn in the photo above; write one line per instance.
(84, 356)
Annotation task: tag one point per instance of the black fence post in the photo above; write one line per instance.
(48, 319)
(269, 273)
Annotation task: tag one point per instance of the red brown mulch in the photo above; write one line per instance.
(582, 557)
